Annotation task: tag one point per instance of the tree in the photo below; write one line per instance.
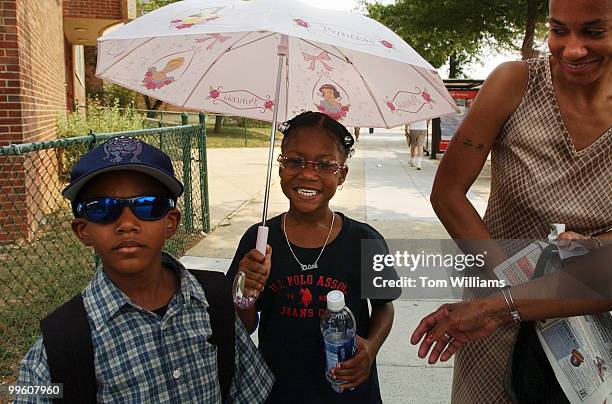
(218, 123)
(150, 5)
(531, 16)
(455, 31)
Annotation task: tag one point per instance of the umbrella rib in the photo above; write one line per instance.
(366, 86)
(210, 67)
(453, 105)
(343, 58)
(248, 43)
(124, 56)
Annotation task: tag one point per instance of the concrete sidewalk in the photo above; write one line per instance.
(382, 190)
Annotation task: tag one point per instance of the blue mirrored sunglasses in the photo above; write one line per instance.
(108, 209)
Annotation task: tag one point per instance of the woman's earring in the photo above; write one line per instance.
(340, 187)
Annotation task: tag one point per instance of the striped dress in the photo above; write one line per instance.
(538, 178)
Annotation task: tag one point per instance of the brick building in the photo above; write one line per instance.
(42, 73)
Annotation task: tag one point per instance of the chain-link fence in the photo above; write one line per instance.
(42, 264)
(223, 131)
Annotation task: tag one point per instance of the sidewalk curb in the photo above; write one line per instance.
(233, 213)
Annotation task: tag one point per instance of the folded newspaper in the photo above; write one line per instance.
(579, 349)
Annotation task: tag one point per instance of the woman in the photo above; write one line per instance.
(547, 123)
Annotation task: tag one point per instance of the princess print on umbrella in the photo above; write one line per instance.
(330, 103)
(199, 17)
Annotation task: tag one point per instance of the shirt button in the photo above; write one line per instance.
(176, 374)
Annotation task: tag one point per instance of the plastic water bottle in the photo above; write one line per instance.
(338, 329)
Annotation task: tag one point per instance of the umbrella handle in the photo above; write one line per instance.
(246, 298)
(262, 239)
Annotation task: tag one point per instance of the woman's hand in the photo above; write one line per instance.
(453, 325)
(355, 370)
(566, 238)
(256, 267)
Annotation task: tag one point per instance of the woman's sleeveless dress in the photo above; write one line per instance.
(538, 178)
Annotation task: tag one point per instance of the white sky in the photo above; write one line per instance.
(475, 71)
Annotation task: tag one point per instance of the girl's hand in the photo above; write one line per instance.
(453, 325)
(355, 370)
(256, 267)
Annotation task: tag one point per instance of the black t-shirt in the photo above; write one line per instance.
(293, 302)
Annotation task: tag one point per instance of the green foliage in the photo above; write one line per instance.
(155, 4)
(456, 30)
(98, 119)
(117, 95)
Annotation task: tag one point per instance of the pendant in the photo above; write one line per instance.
(309, 266)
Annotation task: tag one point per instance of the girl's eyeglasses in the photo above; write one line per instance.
(325, 169)
(107, 209)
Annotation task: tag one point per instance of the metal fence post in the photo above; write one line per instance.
(92, 144)
(187, 174)
(203, 174)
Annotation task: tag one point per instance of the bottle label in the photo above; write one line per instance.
(338, 351)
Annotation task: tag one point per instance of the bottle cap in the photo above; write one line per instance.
(335, 300)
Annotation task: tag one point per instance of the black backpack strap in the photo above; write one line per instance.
(222, 321)
(67, 341)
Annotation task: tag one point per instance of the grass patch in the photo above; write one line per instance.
(36, 277)
(234, 136)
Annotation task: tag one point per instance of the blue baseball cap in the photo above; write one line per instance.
(123, 153)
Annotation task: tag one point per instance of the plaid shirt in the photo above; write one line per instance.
(141, 357)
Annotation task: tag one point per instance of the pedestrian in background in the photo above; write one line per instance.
(416, 132)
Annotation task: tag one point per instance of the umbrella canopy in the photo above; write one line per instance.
(270, 60)
(223, 56)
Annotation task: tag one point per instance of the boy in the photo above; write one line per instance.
(151, 323)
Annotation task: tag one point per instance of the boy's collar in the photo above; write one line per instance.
(102, 299)
(190, 287)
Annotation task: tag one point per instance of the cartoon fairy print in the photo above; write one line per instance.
(197, 18)
(330, 104)
(155, 79)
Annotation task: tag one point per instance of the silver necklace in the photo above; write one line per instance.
(309, 266)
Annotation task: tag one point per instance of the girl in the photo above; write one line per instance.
(312, 250)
